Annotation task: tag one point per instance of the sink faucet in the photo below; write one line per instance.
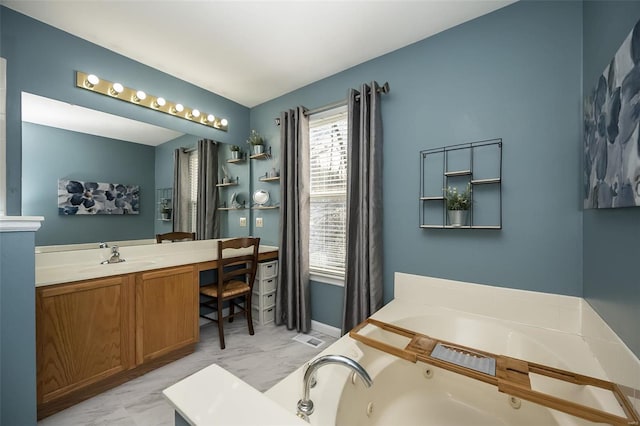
(103, 245)
(305, 405)
(115, 256)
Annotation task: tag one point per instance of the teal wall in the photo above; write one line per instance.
(513, 74)
(611, 236)
(17, 329)
(42, 60)
(87, 158)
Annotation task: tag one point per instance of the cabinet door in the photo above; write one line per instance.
(84, 333)
(166, 311)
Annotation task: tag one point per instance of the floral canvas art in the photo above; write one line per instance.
(611, 135)
(82, 198)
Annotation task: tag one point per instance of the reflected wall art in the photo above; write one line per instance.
(87, 198)
(611, 135)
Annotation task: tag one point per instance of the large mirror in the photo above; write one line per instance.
(66, 142)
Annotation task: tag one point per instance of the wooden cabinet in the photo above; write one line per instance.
(166, 311)
(96, 334)
(84, 334)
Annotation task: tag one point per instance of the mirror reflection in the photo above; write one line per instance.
(62, 142)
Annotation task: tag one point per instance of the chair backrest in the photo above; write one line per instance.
(241, 266)
(175, 236)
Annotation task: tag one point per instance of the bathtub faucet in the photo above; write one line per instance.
(305, 405)
(115, 256)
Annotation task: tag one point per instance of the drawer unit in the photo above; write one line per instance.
(267, 270)
(264, 316)
(264, 292)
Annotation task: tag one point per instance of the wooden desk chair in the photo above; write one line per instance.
(175, 236)
(235, 281)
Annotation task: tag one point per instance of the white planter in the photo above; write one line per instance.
(258, 149)
(457, 218)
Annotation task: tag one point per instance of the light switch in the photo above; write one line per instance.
(243, 222)
(258, 222)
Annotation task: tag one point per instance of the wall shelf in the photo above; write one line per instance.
(477, 166)
(236, 160)
(262, 156)
(269, 179)
(227, 184)
(231, 208)
(265, 208)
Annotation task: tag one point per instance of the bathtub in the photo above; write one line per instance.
(406, 393)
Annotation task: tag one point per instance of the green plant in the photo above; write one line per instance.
(234, 148)
(164, 206)
(457, 200)
(255, 138)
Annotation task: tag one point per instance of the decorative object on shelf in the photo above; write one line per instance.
(234, 201)
(611, 158)
(256, 142)
(226, 177)
(95, 84)
(458, 204)
(274, 173)
(81, 198)
(236, 154)
(261, 197)
(165, 209)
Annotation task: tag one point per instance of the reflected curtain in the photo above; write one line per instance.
(207, 223)
(181, 191)
(292, 298)
(363, 275)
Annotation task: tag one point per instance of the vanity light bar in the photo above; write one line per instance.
(137, 97)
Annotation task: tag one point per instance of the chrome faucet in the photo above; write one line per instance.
(305, 405)
(103, 245)
(115, 256)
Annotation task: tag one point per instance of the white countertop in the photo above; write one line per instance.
(75, 265)
(215, 396)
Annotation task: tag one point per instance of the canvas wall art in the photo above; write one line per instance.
(87, 198)
(611, 136)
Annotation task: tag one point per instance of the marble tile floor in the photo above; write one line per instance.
(260, 360)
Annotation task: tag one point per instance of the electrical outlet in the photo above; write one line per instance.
(243, 222)
(258, 222)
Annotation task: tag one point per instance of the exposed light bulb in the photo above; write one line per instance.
(160, 102)
(178, 108)
(116, 89)
(211, 118)
(224, 122)
(139, 96)
(195, 113)
(91, 81)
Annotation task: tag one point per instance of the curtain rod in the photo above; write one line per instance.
(382, 89)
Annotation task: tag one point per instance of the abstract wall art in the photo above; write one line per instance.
(88, 198)
(611, 135)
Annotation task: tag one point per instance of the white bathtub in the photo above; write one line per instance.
(406, 393)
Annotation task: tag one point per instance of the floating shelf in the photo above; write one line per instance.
(262, 156)
(227, 184)
(231, 208)
(269, 179)
(458, 173)
(236, 160)
(485, 181)
(432, 198)
(265, 208)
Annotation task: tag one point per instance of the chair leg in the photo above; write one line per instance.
(220, 322)
(248, 309)
(232, 307)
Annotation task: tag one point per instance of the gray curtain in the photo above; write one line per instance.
(207, 223)
(363, 275)
(292, 298)
(181, 191)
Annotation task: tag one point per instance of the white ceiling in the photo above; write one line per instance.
(253, 51)
(48, 112)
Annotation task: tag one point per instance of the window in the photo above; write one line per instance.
(193, 193)
(328, 191)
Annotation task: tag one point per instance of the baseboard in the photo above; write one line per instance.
(329, 330)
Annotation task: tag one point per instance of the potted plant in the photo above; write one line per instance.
(458, 204)
(236, 154)
(165, 209)
(256, 142)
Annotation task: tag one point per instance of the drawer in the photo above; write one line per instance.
(264, 316)
(265, 286)
(264, 301)
(267, 270)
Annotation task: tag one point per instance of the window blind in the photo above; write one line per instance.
(328, 192)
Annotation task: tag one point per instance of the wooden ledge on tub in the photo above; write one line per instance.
(509, 375)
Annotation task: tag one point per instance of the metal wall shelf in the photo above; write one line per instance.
(477, 165)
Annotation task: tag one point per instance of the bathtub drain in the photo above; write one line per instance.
(369, 409)
(428, 373)
(515, 402)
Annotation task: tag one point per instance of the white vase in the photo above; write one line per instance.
(258, 149)
(457, 218)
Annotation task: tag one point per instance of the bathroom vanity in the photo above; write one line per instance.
(98, 326)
